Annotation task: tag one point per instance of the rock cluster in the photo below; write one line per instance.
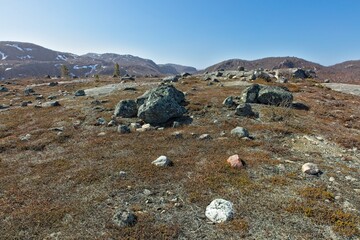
(156, 106)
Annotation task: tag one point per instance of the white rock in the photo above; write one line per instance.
(219, 211)
(331, 179)
(204, 136)
(310, 168)
(162, 161)
(240, 132)
(25, 137)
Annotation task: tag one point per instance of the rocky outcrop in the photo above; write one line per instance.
(270, 95)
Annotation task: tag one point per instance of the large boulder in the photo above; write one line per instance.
(126, 108)
(270, 95)
(160, 104)
(250, 94)
(274, 96)
(299, 73)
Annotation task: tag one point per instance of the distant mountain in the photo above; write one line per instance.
(346, 72)
(266, 63)
(18, 60)
(175, 69)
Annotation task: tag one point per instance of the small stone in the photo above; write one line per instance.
(162, 161)
(51, 104)
(112, 123)
(311, 169)
(178, 205)
(24, 104)
(135, 125)
(240, 132)
(122, 174)
(25, 137)
(124, 219)
(147, 192)
(176, 124)
(229, 102)
(350, 178)
(147, 127)
(235, 161)
(177, 135)
(337, 197)
(219, 211)
(160, 128)
(100, 121)
(331, 179)
(205, 137)
(79, 93)
(281, 167)
(244, 110)
(101, 134)
(123, 129)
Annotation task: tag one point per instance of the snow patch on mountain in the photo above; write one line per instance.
(61, 57)
(92, 67)
(28, 49)
(7, 69)
(15, 46)
(25, 57)
(3, 56)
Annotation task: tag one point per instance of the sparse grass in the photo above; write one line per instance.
(70, 183)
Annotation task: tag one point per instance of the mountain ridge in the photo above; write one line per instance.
(21, 59)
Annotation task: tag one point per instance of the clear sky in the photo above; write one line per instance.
(190, 32)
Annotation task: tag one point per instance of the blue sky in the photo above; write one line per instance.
(190, 32)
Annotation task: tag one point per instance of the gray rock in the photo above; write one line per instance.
(52, 84)
(274, 96)
(300, 106)
(171, 79)
(3, 89)
(229, 102)
(112, 123)
(24, 104)
(51, 104)
(176, 124)
(219, 210)
(185, 74)
(123, 129)
(39, 97)
(162, 161)
(300, 73)
(126, 108)
(100, 121)
(161, 104)
(28, 91)
(127, 78)
(51, 97)
(3, 106)
(263, 75)
(250, 94)
(80, 93)
(124, 219)
(244, 110)
(240, 132)
(282, 80)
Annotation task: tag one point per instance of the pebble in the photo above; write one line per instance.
(204, 136)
